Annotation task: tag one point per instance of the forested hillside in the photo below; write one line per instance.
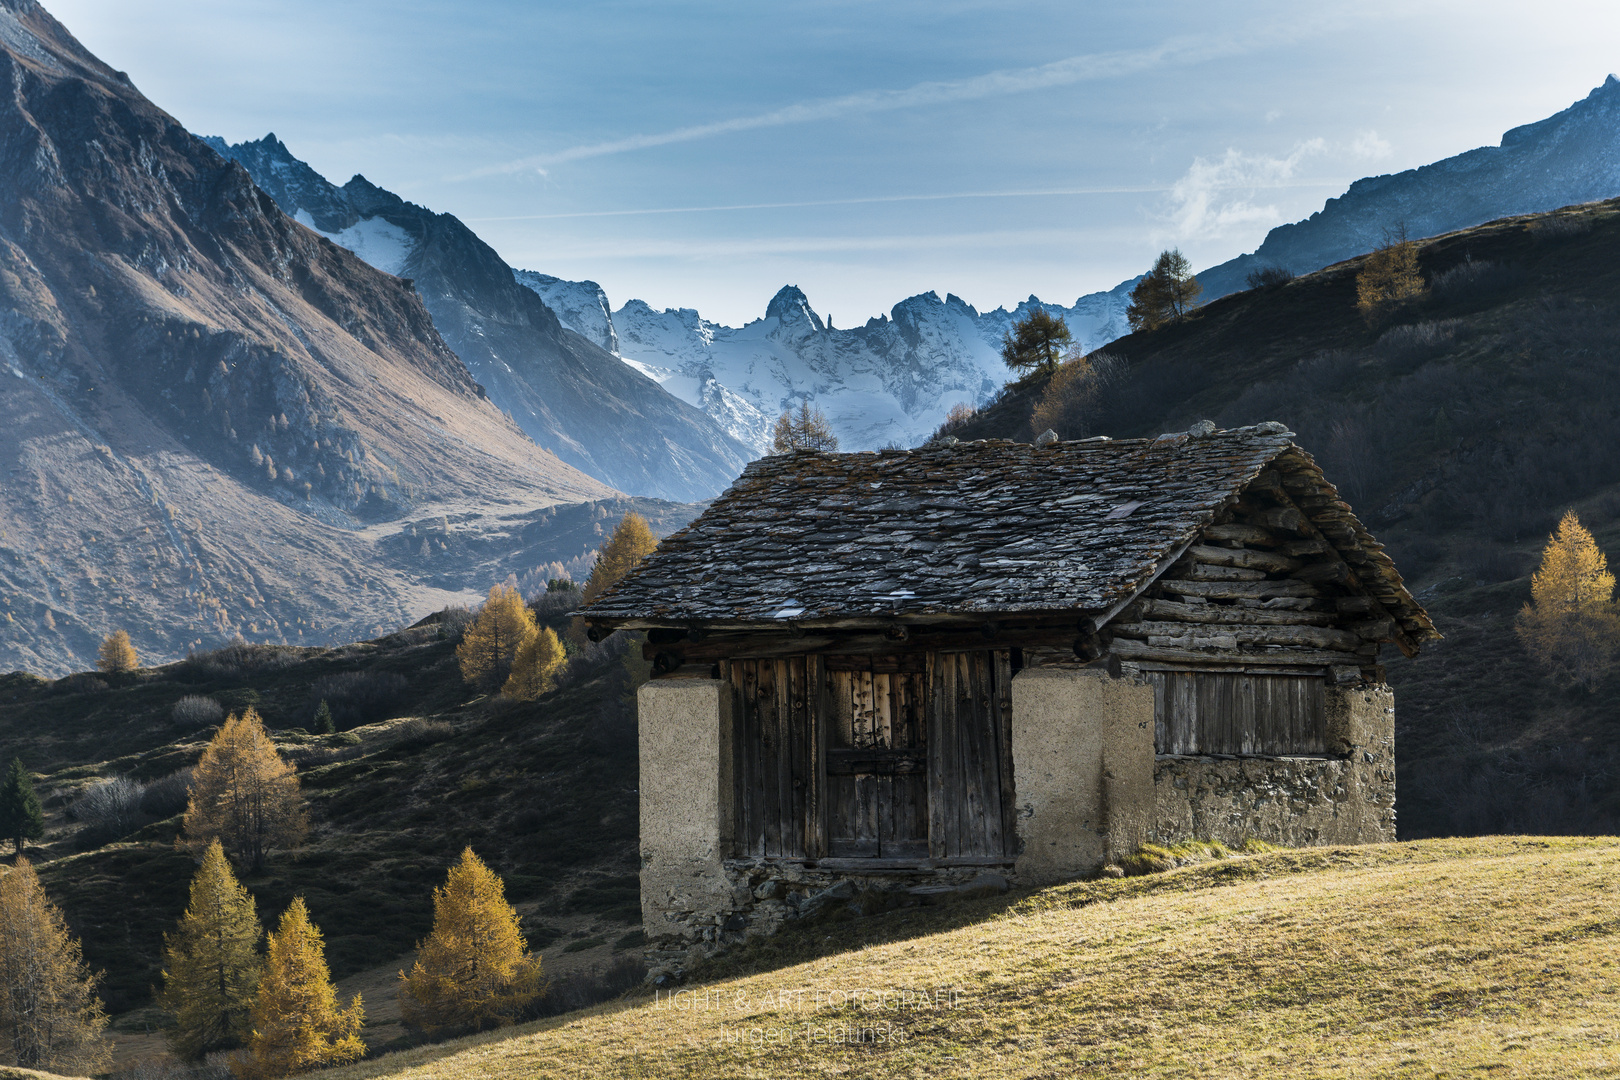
(1459, 424)
(420, 766)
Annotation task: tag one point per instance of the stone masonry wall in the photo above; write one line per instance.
(1294, 801)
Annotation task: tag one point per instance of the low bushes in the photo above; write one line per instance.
(358, 697)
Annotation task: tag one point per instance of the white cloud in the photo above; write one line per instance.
(1370, 146)
(1217, 198)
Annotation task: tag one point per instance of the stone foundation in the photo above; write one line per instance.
(1348, 798)
(763, 895)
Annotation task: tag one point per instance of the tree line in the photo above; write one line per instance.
(268, 1000)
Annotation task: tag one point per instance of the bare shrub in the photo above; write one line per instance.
(1269, 277)
(238, 658)
(579, 989)
(358, 697)
(553, 604)
(196, 711)
(1410, 345)
(416, 733)
(167, 795)
(1560, 227)
(961, 414)
(109, 809)
(1475, 280)
(79, 683)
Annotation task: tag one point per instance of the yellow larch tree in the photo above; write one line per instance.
(472, 972)
(1389, 274)
(211, 963)
(492, 640)
(535, 667)
(631, 542)
(1571, 625)
(117, 653)
(50, 1017)
(244, 795)
(296, 1023)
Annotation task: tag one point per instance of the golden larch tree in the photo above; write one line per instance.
(117, 653)
(244, 795)
(1571, 625)
(535, 667)
(492, 640)
(472, 972)
(211, 963)
(50, 1017)
(1389, 274)
(631, 542)
(296, 1023)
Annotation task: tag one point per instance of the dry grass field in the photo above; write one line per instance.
(1493, 957)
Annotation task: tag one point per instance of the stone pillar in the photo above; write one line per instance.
(1361, 725)
(686, 804)
(1082, 745)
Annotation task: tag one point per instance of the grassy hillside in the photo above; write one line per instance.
(1495, 957)
(1459, 426)
(545, 792)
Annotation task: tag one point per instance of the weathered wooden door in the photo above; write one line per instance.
(877, 757)
(775, 767)
(969, 760)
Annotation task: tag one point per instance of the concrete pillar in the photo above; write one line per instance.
(686, 802)
(1082, 745)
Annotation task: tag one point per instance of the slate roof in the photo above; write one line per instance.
(979, 528)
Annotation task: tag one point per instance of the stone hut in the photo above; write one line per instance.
(889, 675)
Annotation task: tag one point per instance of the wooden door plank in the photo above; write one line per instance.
(1003, 750)
(821, 709)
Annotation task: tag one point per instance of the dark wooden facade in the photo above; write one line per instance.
(890, 757)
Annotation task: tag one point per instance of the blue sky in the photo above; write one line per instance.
(704, 154)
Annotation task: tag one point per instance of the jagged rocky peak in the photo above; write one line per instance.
(289, 181)
(791, 307)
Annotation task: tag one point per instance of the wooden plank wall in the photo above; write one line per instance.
(968, 759)
(877, 791)
(771, 724)
(1201, 712)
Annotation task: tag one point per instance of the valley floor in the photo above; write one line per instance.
(1497, 956)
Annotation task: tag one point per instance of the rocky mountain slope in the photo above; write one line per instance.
(570, 395)
(211, 417)
(1460, 427)
(1570, 157)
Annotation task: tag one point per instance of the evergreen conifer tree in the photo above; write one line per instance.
(472, 972)
(117, 654)
(323, 719)
(21, 818)
(244, 795)
(296, 1023)
(1166, 293)
(211, 963)
(1035, 343)
(492, 640)
(535, 667)
(50, 1017)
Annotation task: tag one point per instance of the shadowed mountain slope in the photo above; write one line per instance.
(207, 412)
(573, 397)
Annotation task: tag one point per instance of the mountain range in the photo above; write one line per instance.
(892, 380)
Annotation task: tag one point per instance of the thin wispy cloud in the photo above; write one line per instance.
(1059, 192)
(1087, 67)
